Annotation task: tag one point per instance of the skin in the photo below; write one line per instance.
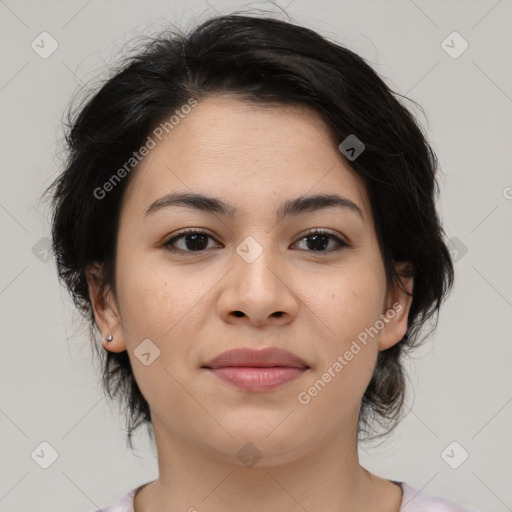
(253, 157)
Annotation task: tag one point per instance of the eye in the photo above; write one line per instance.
(192, 240)
(319, 241)
(197, 241)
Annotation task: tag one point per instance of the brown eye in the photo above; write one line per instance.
(319, 240)
(191, 241)
(196, 241)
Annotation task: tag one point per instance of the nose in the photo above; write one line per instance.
(259, 289)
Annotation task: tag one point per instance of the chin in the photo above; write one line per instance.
(258, 441)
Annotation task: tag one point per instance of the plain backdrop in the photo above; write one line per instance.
(455, 441)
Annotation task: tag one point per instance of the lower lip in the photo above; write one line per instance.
(257, 378)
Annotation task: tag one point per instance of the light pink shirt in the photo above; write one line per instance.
(412, 501)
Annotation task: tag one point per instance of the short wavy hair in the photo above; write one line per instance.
(267, 61)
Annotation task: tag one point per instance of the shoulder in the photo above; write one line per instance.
(124, 504)
(412, 501)
(416, 501)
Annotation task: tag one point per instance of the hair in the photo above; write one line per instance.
(270, 62)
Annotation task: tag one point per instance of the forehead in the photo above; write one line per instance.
(245, 152)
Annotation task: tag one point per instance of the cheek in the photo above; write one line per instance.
(153, 295)
(350, 299)
(157, 304)
(349, 304)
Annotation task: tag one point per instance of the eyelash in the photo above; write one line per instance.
(168, 245)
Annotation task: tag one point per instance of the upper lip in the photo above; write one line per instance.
(264, 358)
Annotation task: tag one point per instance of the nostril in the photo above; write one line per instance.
(238, 313)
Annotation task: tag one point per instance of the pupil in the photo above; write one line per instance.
(315, 245)
(195, 245)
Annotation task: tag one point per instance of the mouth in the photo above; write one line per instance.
(257, 370)
(255, 378)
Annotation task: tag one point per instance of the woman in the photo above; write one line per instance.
(247, 218)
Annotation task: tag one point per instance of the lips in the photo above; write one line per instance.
(250, 358)
(257, 370)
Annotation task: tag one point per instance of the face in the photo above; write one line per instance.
(254, 276)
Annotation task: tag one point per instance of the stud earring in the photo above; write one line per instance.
(109, 337)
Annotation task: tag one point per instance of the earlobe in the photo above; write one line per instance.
(398, 305)
(106, 313)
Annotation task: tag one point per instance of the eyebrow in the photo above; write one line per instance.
(295, 206)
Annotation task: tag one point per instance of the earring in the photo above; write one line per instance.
(109, 337)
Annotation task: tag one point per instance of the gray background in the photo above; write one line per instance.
(462, 378)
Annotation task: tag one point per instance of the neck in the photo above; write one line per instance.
(323, 478)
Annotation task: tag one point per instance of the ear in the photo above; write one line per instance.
(398, 304)
(106, 311)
